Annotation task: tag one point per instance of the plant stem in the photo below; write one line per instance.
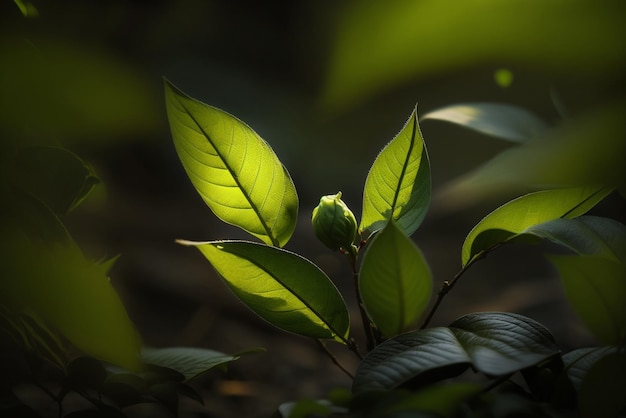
(333, 358)
(367, 324)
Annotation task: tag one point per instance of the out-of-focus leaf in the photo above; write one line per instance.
(27, 8)
(503, 77)
(283, 288)
(596, 289)
(494, 119)
(190, 361)
(586, 235)
(395, 281)
(55, 176)
(586, 150)
(518, 215)
(58, 90)
(379, 45)
(602, 392)
(442, 400)
(398, 185)
(72, 295)
(493, 343)
(235, 171)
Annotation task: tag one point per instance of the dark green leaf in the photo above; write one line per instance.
(579, 361)
(602, 391)
(235, 171)
(516, 216)
(495, 119)
(493, 343)
(283, 288)
(189, 361)
(596, 289)
(395, 281)
(398, 185)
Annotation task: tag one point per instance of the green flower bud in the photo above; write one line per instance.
(334, 223)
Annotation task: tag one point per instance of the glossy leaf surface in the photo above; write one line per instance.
(189, 361)
(494, 343)
(586, 235)
(596, 289)
(233, 169)
(283, 288)
(395, 281)
(494, 119)
(398, 185)
(516, 216)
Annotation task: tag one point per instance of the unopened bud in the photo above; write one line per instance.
(334, 223)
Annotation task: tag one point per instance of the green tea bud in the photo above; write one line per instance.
(334, 223)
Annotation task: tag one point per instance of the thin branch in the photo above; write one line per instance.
(333, 358)
(367, 325)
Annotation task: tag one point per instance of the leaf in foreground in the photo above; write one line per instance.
(283, 288)
(398, 185)
(395, 281)
(493, 343)
(516, 216)
(233, 169)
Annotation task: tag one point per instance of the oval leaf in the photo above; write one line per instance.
(398, 185)
(283, 288)
(493, 343)
(516, 216)
(578, 362)
(499, 120)
(235, 172)
(395, 281)
(596, 289)
(586, 235)
(189, 361)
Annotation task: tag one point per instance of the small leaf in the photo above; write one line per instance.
(493, 343)
(586, 235)
(283, 288)
(494, 119)
(395, 281)
(514, 217)
(398, 185)
(596, 289)
(189, 361)
(235, 172)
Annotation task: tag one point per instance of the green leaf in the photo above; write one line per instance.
(72, 295)
(55, 176)
(602, 392)
(596, 289)
(493, 343)
(442, 400)
(189, 361)
(514, 217)
(494, 119)
(395, 281)
(398, 185)
(586, 235)
(283, 288)
(235, 172)
(578, 362)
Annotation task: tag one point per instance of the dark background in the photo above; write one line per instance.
(267, 64)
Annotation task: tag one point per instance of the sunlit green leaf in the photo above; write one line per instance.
(516, 216)
(283, 288)
(380, 45)
(235, 171)
(72, 295)
(586, 235)
(190, 361)
(495, 119)
(395, 281)
(53, 175)
(596, 289)
(493, 343)
(398, 184)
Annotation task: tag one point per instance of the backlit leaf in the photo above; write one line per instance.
(516, 216)
(235, 172)
(596, 289)
(395, 281)
(283, 288)
(494, 119)
(398, 185)
(493, 343)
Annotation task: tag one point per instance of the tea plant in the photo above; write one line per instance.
(482, 364)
